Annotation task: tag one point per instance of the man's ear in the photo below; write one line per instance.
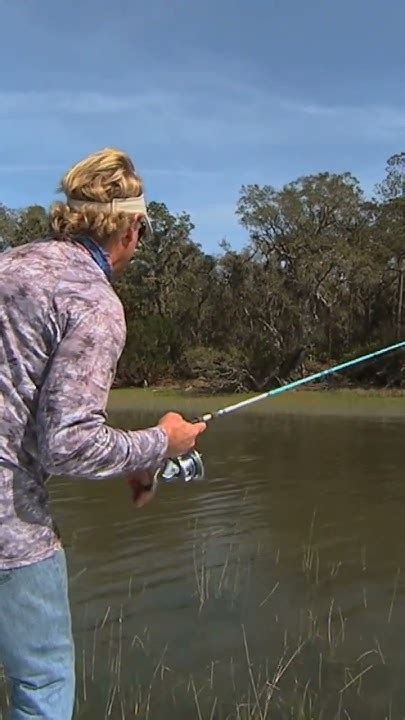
(127, 238)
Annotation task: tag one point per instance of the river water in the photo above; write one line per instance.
(272, 589)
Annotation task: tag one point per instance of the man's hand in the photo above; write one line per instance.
(182, 437)
(139, 481)
(182, 434)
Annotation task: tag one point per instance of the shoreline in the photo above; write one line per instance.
(197, 392)
(310, 401)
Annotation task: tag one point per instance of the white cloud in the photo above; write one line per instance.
(308, 108)
(211, 113)
(374, 120)
(72, 102)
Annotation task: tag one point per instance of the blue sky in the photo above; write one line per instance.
(205, 96)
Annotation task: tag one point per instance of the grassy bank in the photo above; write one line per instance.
(354, 402)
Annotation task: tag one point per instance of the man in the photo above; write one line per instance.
(62, 331)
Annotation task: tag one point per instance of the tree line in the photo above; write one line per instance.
(319, 280)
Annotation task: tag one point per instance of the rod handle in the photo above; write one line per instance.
(203, 418)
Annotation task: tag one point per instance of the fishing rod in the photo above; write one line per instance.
(190, 466)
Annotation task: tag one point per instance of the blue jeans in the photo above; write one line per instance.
(36, 644)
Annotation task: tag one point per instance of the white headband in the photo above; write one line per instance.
(132, 206)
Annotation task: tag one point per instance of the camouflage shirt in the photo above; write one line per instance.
(62, 330)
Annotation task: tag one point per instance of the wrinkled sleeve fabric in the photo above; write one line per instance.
(73, 435)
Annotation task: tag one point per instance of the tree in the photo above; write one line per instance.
(320, 279)
(7, 227)
(164, 293)
(30, 224)
(393, 185)
(391, 227)
(305, 238)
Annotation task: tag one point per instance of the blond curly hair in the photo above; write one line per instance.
(101, 177)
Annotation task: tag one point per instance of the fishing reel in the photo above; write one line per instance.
(184, 468)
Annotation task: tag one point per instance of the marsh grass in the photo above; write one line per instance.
(304, 671)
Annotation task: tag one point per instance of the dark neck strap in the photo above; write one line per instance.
(98, 254)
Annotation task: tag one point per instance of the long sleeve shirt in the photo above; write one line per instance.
(62, 331)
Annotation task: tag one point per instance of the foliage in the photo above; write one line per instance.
(320, 279)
